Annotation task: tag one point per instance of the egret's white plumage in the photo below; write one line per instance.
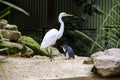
(53, 35)
(50, 38)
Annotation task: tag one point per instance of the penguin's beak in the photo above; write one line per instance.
(68, 15)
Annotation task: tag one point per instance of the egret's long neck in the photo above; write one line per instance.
(61, 30)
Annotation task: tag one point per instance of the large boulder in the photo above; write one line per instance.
(10, 35)
(27, 52)
(31, 43)
(8, 31)
(11, 27)
(10, 47)
(107, 63)
(3, 23)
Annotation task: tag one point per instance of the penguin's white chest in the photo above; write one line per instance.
(67, 55)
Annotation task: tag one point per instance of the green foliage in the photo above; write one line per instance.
(3, 72)
(89, 38)
(3, 14)
(83, 9)
(108, 34)
(80, 41)
(2, 67)
(7, 10)
(87, 7)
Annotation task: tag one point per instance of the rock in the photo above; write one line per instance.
(3, 51)
(27, 52)
(107, 63)
(88, 61)
(11, 27)
(55, 52)
(1, 36)
(31, 43)
(10, 35)
(3, 23)
(10, 47)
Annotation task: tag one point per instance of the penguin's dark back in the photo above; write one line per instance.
(69, 49)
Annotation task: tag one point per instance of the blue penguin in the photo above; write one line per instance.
(68, 51)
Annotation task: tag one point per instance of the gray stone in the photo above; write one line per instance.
(107, 63)
(10, 47)
(27, 52)
(31, 43)
(3, 23)
(11, 27)
(10, 35)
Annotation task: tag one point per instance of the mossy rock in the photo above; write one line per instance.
(10, 35)
(10, 47)
(31, 43)
(11, 27)
(27, 52)
(4, 51)
(3, 23)
(1, 36)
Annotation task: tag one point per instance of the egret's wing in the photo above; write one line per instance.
(49, 38)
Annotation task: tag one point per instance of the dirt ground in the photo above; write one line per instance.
(40, 67)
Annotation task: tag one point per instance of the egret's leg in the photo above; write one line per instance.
(51, 56)
(49, 51)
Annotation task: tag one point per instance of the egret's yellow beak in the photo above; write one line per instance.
(68, 15)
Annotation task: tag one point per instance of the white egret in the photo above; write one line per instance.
(53, 35)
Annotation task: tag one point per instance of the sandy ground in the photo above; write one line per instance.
(40, 67)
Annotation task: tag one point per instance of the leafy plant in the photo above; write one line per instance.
(83, 9)
(2, 68)
(80, 41)
(108, 34)
(3, 14)
(3, 71)
(7, 10)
